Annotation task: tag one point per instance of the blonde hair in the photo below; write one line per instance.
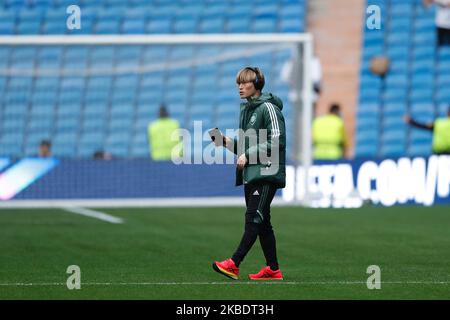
(250, 74)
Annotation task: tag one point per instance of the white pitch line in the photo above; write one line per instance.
(93, 214)
(230, 283)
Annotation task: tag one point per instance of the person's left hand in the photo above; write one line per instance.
(241, 161)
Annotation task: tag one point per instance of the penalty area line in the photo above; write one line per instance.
(93, 214)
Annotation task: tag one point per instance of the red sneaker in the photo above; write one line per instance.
(227, 268)
(267, 274)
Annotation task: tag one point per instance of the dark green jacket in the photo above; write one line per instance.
(263, 112)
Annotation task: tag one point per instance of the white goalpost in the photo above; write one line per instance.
(233, 46)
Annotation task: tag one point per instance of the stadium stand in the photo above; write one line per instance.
(81, 114)
(417, 82)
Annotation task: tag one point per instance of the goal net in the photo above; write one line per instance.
(108, 88)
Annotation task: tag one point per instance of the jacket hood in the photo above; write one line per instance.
(266, 97)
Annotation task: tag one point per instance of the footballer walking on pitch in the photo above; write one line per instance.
(261, 177)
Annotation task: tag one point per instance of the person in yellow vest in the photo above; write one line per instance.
(329, 138)
(160, 136)
(441, 132)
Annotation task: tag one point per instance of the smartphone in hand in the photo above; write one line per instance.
(216, 136)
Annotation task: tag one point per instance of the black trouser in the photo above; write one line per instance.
(258, 198)
(443, 36)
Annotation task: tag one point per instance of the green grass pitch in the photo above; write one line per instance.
(166, 253)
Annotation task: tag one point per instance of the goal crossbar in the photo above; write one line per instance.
(243, 38)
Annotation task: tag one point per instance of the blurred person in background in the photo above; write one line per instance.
(441, 132)
(45, 149)
(102, 155)
(442, 20)
(328, 134)
(160, 134)
(287, 75)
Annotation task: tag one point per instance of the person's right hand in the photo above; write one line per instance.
(407, 118)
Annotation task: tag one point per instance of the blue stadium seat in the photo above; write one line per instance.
(395, 150)
(92, 138)
(397, 37)
(62, 150)
(68, 124)
(395, 95)
(140, 146)
(444, 53)
(124, 109)
(443, 108)
(44, 97)
(31, 14)
(401, 22)
(395, 109)
(13, 149)
(238, 25)
(393, 122)
(91, 122)
(400, 81)
(368, 110)
(291, 10)
(420, 136)
(7, 27)
(29, 27)
(265, 25)
(421, 81)
(191, 9)
(107, 27)
(133, 26)
(99, 83)
(224, 123)
(398, 51)
(424, 37)
(443, 94)
(415, 150)
(424, 52)
(423, 111)
(216, 25)
(373, 38)
(136, 13)
(159, 26)
(394, 136)
(10, 125)
(366, 150)
(424, 25)
(121, 124)
(186, 25)
(422, 95)
(443, 68)
(8, 15)
(15, 110)
(291, 25)
(66, 138)
(239, 11)
(425, 65)
(95, 109)
(368, 136)
(76, 55)
(369, 95)
(215, 10)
